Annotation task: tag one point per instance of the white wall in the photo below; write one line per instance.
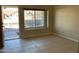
(67, 21)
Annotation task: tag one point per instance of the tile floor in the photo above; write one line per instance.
(48, 44)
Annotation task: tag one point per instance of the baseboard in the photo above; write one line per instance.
(61, 35)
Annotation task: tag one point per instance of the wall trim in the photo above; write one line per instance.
(61, 35)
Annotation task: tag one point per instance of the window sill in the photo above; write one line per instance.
(39, 28)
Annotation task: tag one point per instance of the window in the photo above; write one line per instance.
(34, 18)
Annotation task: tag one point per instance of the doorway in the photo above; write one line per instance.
(10, 20)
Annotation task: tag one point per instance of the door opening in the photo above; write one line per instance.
(10, 20)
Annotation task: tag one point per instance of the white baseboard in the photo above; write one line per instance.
(61, 35)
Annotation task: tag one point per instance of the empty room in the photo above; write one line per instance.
(39, 29)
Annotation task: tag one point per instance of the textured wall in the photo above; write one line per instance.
(67, 21)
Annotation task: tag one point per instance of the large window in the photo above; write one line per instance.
(34, 18)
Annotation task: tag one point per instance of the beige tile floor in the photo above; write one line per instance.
(48, 44)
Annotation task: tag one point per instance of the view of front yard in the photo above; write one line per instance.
(10, 22)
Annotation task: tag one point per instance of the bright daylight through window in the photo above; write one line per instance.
(34, 18)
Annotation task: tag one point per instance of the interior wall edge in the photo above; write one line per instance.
(66, 37)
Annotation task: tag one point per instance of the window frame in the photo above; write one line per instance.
(45, 19)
